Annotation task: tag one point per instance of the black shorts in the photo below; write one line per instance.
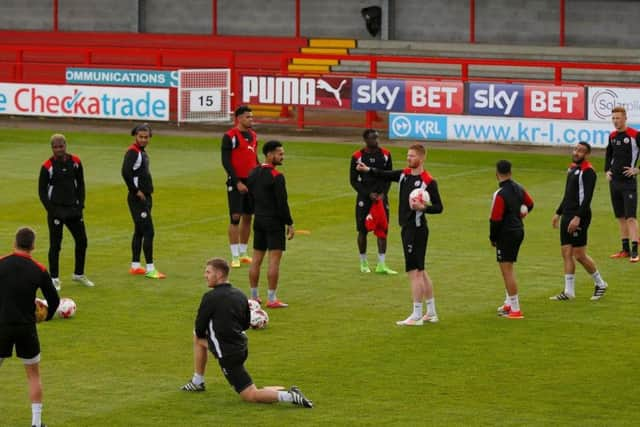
(25, 339)
(268, 234)
(624, 198)
(578, 238)
(508, 246)
(140, 209)
(414, 245)
(233, 369)
(239, 203)
(363, 206)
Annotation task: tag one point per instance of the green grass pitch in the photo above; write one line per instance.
(122, 359)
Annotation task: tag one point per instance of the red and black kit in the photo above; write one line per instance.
(506, 229)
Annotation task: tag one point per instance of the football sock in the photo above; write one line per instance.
(36, 414)
(285, 396)
(254, 293)
(625, 245)
(197, 378)
(514, 302)
(381, 258)
(242, 247)
(135, 265)
(235, 250)
(431, 307)
(506, 297)
(634, 248)
(570, 284)
(150, 267)
(271, 295)
(363, 257)
(597, 279)
(417, 311)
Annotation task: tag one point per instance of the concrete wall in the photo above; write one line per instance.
(507, 21)
(614, 23)
(611, 23)
(255, 18)
(26, 14)
(98, 15)
(177, 17)
(334, 18)
(443, 21)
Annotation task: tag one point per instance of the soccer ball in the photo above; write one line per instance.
(419, 196)
(254, 305)
(42, 309)
(259, 319)
(67, 308)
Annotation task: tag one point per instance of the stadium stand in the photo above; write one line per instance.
(491, 51)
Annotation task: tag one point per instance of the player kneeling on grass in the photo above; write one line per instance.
(222, 318)
(511, 203)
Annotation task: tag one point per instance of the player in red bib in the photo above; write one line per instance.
(239, 157)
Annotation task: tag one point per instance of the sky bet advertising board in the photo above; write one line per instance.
(480, 99)
(93, 102)
(419, 96)
(518, 100)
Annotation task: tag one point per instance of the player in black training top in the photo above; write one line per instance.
(415, 232)
(621, 168)
(222, 318)
(239, 154)
(137, 176)
(272, 224)
(20, 278)
(371, 189)
(574, 217)
(62, 193)
(511, 203)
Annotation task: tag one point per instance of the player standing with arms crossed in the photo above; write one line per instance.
(20, 278)
(621, 168)
(137, 176)
(273, 225)
(574, 217)
(370, 189)
(415, 231)
(506, 233)
(62, 193)
(239, 157)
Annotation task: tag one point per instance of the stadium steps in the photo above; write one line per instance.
(485, 51)
(269, 110)
(321, 47)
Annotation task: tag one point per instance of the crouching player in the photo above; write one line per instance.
(222, 318)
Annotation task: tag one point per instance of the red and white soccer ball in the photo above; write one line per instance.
(259, 319)
(254, 305)
(67, 308)
(419, 196)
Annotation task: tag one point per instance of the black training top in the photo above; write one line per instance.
(135, 170)
(622, 150)
(505, 209)
(407, 183)
(20, 278)
(365, 183)
(269, 194)
(222, 318)
(61, 182)
(578, 191)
